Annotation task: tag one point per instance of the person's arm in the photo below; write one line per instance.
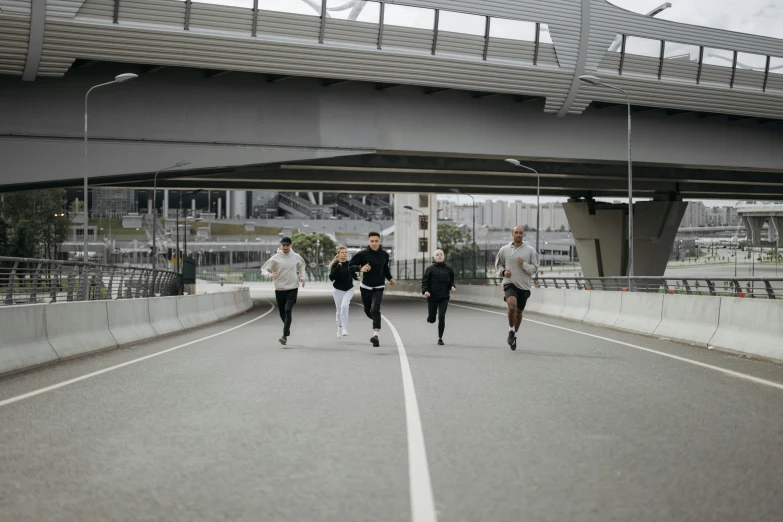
(356, 262)
(300, 268)
(335, 269)
(451, 278)
(531, 268)
(268, 267)
(425, 280)
(500, 264)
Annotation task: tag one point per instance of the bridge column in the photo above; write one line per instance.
(600, 232)
(166, 204)
(228, 204)
(775, 223)
(753, 226)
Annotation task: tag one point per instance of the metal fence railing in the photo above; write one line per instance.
(26, 281)
(769, 288)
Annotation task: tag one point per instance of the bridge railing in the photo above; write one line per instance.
(27, 281)
(770, 288)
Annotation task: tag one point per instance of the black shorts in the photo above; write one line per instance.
(521, 295)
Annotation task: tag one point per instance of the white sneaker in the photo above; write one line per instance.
(339, 331)
(345, 332)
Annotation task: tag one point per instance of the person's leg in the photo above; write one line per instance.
(432, 309)
(524, 295)
(280, 298)
(511, 296)
(338, 303)
(345, 306)
(375, 309)
(443, 305)
(289, 306)
(366, 301)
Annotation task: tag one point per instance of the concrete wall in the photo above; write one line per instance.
(31, 335)
(180, 114)
(747, 326)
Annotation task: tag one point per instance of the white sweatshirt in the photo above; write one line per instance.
(521, 274)
(290, 269)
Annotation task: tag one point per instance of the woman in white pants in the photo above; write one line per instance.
(343, 277)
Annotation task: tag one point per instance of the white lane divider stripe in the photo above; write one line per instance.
(739, 375)
(422, 499)
(127, 363)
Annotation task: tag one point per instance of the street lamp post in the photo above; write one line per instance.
(475, 261)
(538, 198)
(423, 262)
(155, 212)
(596, 81)
(117, 79)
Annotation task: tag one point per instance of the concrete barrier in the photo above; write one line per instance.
(688, 319)
(23, 341)
(223, 304)
(129, 320)
(205, 308)
(187, 311)
(552, 301)
(640, 312)
(576, 304)
(78, 328)
(604, 308)
(536, 300)
(753, 326)
(163, 315)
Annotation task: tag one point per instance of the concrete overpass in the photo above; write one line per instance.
(756, 216)
(291, 102)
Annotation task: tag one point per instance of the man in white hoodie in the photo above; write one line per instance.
(516, 263)
(287, 269)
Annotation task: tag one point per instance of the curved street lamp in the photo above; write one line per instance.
(596, 81)
(538, 197)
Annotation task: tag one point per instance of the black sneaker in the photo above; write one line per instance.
(512, 339)
(514, 344)
(283, 340)
(440, 342)
(375, 341)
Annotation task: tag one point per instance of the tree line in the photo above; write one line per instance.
(33, 223)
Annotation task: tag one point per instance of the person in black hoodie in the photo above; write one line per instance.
(373, 263)
(437, 285)
(343, 276)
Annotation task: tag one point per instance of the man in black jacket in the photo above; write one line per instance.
(373, 263)
(437, 285)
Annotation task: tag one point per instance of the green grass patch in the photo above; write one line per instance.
(112, 227)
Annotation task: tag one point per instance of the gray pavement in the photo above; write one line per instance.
(568, 427)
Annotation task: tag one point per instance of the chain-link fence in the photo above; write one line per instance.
(26, 281)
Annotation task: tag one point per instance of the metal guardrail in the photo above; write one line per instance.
(27, 281)
(769, 288)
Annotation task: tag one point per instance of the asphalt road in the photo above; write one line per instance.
(567, 428)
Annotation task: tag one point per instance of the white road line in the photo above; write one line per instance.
(642, 348)
(134, 361)
(422, 499)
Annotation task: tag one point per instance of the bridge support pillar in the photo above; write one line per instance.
(600, 233)
(776, 224)
(753, 226)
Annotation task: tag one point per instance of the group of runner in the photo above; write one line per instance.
(516, 263)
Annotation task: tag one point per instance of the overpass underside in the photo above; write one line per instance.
(389, 171)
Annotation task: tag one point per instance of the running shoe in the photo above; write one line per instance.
(375, 341)
(440, 342)
(283, 340)
(339, 331)
(345, 332)
(514, 344)
(511, 338)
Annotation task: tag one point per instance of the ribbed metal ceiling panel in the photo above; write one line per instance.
(152, 31)
(14, 35)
